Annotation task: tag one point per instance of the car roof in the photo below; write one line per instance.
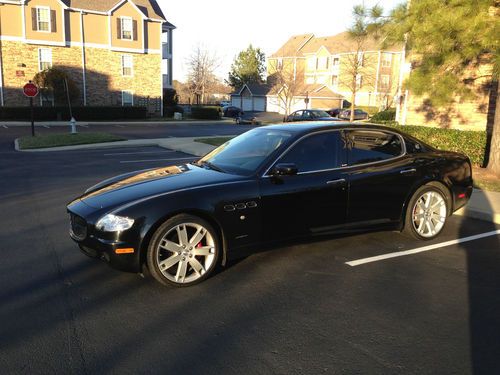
(311, 127)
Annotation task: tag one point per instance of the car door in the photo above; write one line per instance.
(312, 201)
(380, 175)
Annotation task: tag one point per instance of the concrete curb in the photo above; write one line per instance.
(480, 215)
(92, 123)
(186, 145)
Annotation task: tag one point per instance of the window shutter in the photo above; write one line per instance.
(119, 28)
(53, 21)
(34, 23)
(134, 23)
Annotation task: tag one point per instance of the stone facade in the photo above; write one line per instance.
(104, 79)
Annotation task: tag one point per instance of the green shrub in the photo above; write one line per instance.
(205, 113)
(80, 113)
(384, 116)
(470, 143)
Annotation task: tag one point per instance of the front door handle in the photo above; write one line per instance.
(408, 171)
(336, 182)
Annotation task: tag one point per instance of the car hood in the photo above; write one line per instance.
(143, 184)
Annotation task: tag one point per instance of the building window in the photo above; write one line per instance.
(335, 81)
(323, 62)
(44, 59)
(127, 65)
(127, 28)
(361, 58)
(359, 81)
(386, 60)
(385, 82)
(127, 98)
(336, 61)
(43, 19)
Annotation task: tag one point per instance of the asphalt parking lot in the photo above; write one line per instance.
(292, 309)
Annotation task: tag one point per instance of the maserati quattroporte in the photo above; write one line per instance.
(272, 183)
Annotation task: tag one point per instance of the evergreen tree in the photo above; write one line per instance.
(248, 67)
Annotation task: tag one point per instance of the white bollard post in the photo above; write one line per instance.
(72, 122)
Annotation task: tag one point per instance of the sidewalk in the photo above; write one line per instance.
(483, 205)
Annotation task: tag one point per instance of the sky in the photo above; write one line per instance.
(227, 27)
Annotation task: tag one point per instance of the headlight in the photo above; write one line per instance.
(113, 223)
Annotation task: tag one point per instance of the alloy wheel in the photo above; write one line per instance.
(185, 253)
(429, 214)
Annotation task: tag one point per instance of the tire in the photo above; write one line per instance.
(184, 251)
(427, 212)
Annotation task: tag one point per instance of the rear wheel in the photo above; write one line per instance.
(427, 212)
(183, 251)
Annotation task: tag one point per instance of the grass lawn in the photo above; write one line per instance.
(214, 141)
(56, 140)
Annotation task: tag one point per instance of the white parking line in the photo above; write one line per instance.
(145, 161)
(5, 126)
(140, 152)
(46, 126)
(84, 126)
(377, 258)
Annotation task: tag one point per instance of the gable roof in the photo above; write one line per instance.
(149, 8)
(339, 43)
(256, 89)
(292, 48)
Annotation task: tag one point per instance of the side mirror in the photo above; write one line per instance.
(285, 169)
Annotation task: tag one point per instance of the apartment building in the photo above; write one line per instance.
(324, 68)
(111, 49)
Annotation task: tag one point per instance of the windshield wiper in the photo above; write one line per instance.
(212, 166)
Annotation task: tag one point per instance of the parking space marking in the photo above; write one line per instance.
(84, 126)
(140, 152)
(377, 258)
(46, 127)
(5, 126)
(150, 160)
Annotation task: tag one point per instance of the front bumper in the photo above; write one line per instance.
(101, 245)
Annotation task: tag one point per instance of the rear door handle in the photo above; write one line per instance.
(336, 182)
(408, 171)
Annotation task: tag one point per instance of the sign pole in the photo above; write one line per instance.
(32, 118)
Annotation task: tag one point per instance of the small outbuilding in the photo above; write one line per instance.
(251, 97)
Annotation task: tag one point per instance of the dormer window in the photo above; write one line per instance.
(43, 19)
(127, 28)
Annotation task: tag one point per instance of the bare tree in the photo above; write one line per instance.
(359, 67)
(287, 80)
(201, 72)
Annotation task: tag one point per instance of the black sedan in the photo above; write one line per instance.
(309, 115)
(272, 183)
(359, 114)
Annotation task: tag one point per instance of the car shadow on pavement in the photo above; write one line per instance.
(483, 272)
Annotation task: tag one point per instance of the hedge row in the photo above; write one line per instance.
(470, 143)
(383, 116)
(79, 113)
(205, 113)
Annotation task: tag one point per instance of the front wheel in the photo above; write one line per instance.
(183, 251)
(426, 213)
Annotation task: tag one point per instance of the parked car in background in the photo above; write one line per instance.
(231, 111)
(334, 112)
(269, 184)
(225, 103)
(309, 115)
(359, 114)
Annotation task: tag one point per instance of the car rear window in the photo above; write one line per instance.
(368, 146)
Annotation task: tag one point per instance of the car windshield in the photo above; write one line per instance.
(246, 153)
(318, 114)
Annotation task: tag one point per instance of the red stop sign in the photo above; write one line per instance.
(30, 90)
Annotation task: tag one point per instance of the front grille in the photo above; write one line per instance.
(78, 227)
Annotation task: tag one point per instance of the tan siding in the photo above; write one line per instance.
(127, 10)
(54, 5)
(153, 35)
(10, 20)
(96, 28)
(73, 27)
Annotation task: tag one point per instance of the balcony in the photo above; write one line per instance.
(166, 52)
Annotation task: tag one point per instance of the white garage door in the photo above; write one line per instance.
(247, 104)
(259, 104)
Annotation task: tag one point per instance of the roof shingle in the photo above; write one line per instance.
(149, 8)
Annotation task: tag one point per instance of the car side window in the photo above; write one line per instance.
(297, 115)
(307, 115)
(368, 146)
(315, 153)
